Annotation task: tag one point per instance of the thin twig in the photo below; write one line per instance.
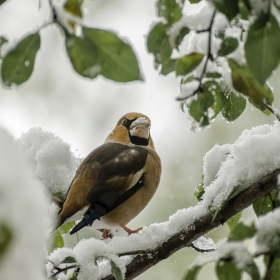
(268, 272)
(54, 15)
(209, 56)
(272, 110)
(136, 252)
(59, 270)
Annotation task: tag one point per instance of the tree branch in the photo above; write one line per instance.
(148, 258)
(209, 56)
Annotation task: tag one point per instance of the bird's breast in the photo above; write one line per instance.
(130, 208)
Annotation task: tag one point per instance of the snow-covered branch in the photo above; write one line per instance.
(184, 238)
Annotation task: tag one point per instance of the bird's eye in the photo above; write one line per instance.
(124, 121)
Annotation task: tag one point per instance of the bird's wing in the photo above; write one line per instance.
(119, 173)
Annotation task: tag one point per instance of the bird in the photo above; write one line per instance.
(116, 181)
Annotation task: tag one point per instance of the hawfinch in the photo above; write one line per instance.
(115, 181)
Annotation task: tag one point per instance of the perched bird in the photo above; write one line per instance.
(115, 181)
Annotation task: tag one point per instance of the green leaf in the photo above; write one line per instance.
(58, 240)
(74, 276)
(199, 191)
(101, 52)
(233, 221)
(187, 80)
(275, 269)
(277, 4)
(59, 195)
(194, 1)
(192, 273)
(244, 82)
(74, 7)
(158, 44)
(229, 44)
(208, 98)
(69, 260)
(252, 270)
(170, 10)
(233, 106)
(262, 50)
(84, 56)
(187, 63)
(213, 75)
(262, 16)
(65, 228)
(18, 64)
(241, 232)
(198, 108)
(227, 271)
(180, 36)
(266, 203)
(3, 40)
(244, 9)
(6, 237)
(167, 67)
(115, 270)
(228, 7)
(269, 95)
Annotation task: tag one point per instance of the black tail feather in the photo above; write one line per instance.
(79, 226)
(93, 213)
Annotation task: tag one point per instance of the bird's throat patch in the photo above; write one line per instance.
(139, 141)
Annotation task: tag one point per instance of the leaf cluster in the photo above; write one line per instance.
(214, 92)
(91, 51)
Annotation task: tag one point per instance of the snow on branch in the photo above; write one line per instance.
(235, 176)
(138, 252)
(184, 238)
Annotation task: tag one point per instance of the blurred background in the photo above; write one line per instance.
(83, 112)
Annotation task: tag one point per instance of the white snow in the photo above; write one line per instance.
(93, 71)
(88, 250)
(229, 169)
(50, 159)
(259, 6)
(268, 234)
(23, 208)
(212, 162)
(205, 244)
(188, 89)
(235, 32)
(236, 250)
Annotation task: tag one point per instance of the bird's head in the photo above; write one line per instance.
(132, 128)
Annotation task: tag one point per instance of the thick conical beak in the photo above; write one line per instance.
(140, 128)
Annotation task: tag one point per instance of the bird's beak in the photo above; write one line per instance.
(140, 128)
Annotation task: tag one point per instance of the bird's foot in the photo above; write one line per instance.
(106, 234)
(130, 231)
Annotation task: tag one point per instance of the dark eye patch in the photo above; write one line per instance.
(127, 123)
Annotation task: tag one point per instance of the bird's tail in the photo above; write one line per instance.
(93, 213)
